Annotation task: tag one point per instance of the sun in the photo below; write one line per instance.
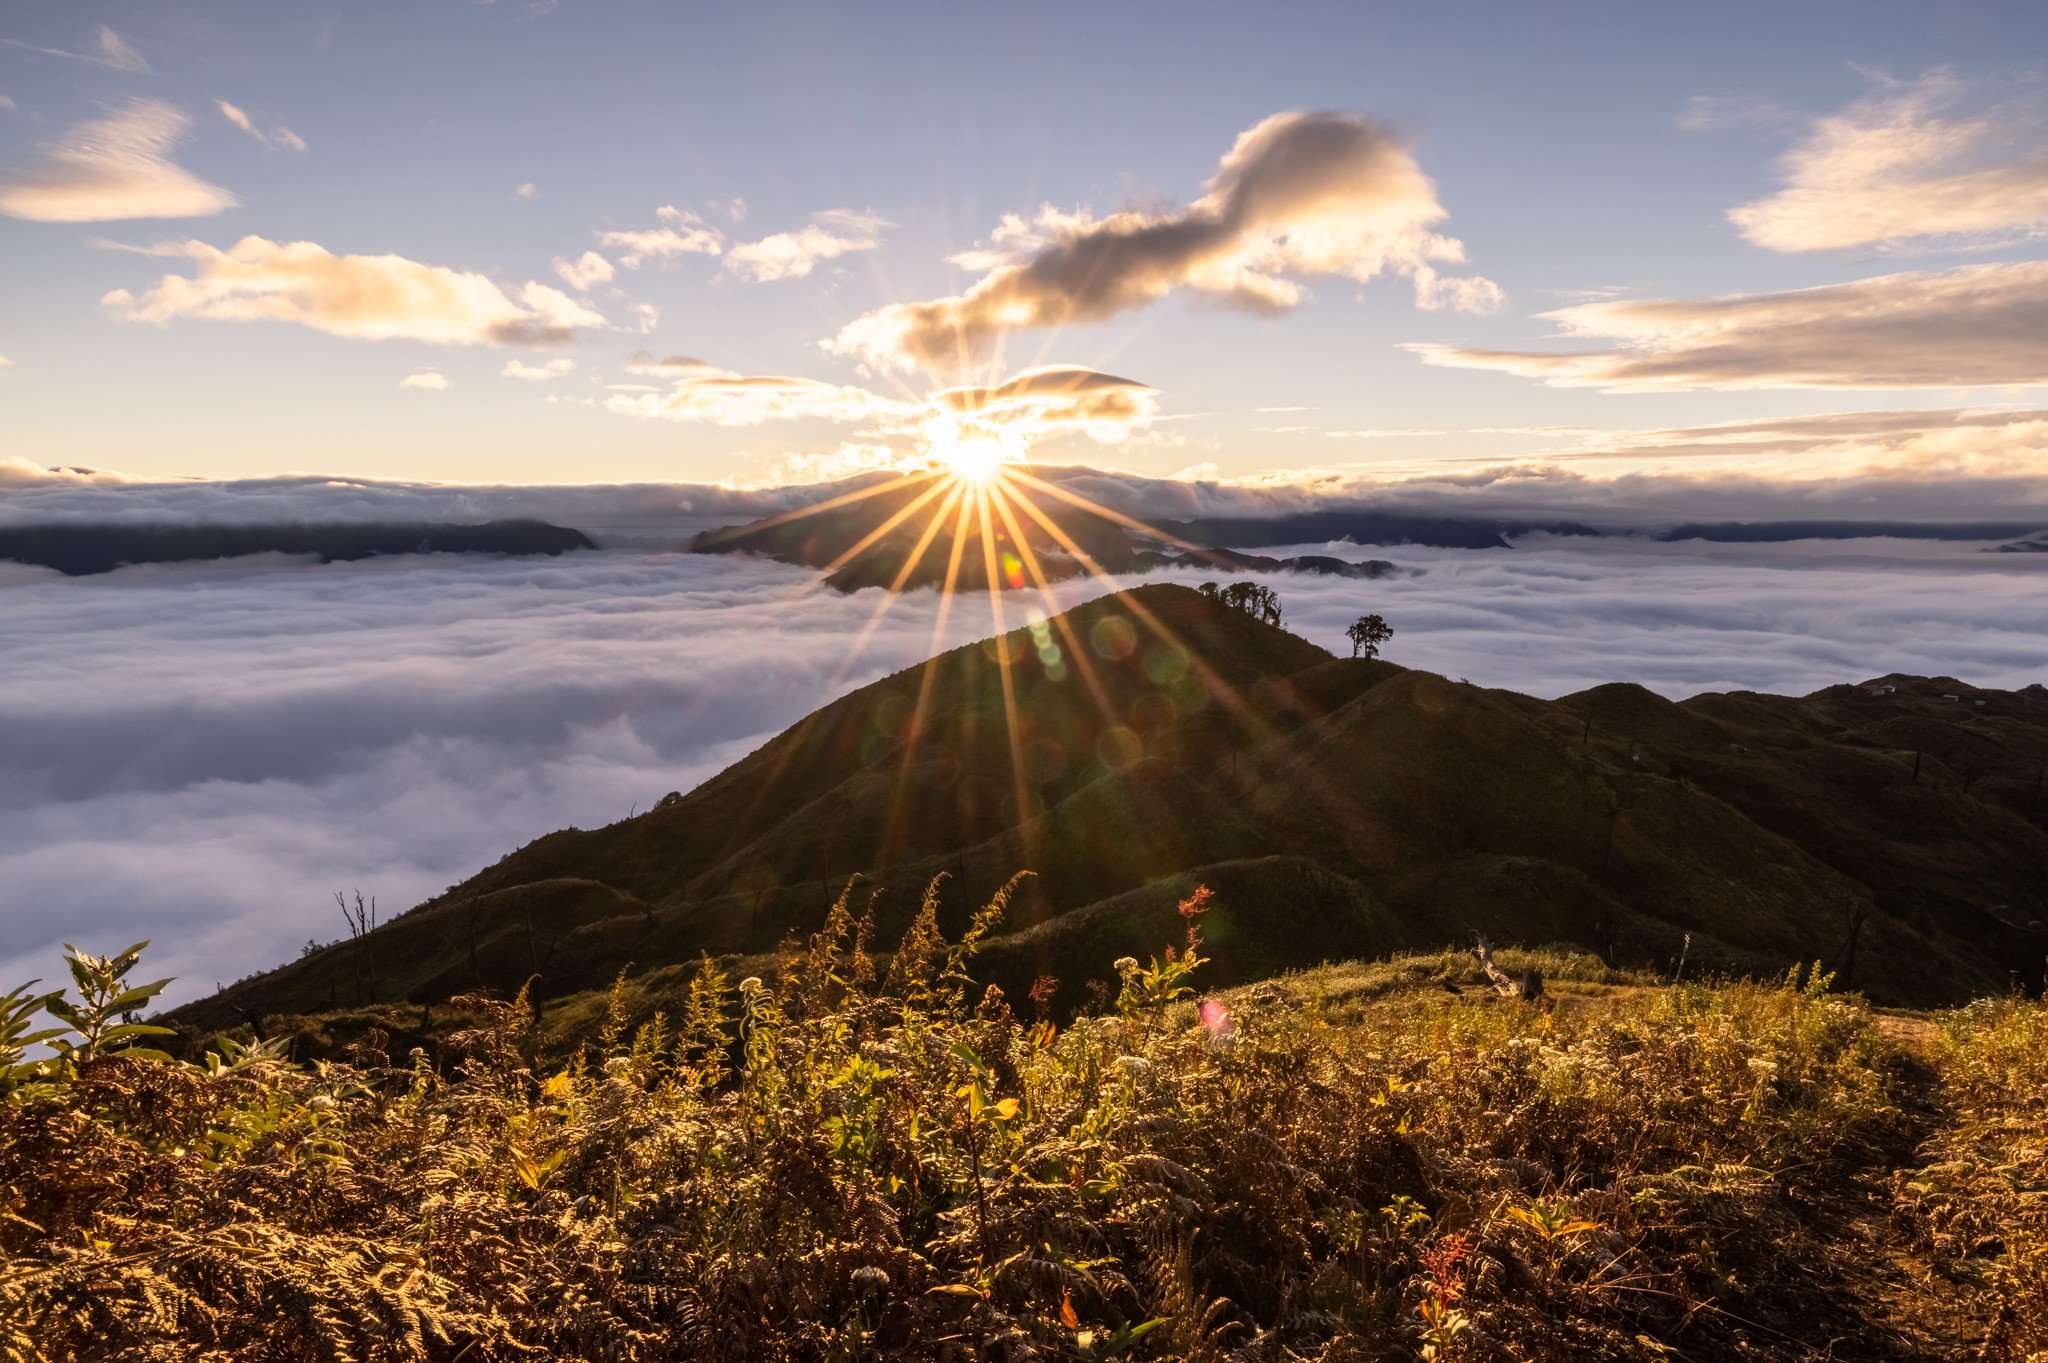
(970, 458)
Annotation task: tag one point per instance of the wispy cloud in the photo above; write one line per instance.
(527, 191)
(431, 379)
(276, 135)
(114, 167)
(109, 50)
(1300, 195)
(1981, 325)
(1718, 113)
(364, 297)
(719, 397)
(1900, 167)
(790, 255)
(538, 373)
(684, 233)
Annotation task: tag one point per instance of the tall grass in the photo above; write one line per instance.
(870, 1157)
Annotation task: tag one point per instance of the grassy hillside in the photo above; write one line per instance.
(864, 1159)
(1348, 807)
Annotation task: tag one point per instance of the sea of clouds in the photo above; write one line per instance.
(202, 754)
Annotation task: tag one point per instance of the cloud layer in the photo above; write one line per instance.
(1980, 325)
(202, 754)
(1897, 167)
(114, 167)
(1299, 195)
(374, 298)
(791, 255)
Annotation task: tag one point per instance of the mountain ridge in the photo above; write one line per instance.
(1339, 807)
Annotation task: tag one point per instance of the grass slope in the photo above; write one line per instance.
(1163, 739)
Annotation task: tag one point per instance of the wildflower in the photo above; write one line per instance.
(1134, 1065)
(1126, 965)
(871, 1279)
(752, 985)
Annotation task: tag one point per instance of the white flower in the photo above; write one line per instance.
(752, 985)
(1126, 965)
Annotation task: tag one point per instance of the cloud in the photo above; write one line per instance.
(201, 755)
(586, 270)
(113, 167)
(1717, 113)
(651, 514)
(789, 255)
(719, 397)
(538, 373)
(645, 362)
(1018, 414)
(686, 234)
(1896, 168)
(1981, 325)
(363, 297)
(1050, 400)
(110, 50)
(432, 379)
(1299, 195)
(277, 135)
(527, 191)
(7, 103)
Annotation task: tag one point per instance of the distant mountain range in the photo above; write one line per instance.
(1896, 831)
(910, 533)
(79, 550)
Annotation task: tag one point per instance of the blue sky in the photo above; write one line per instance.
(1581, 154)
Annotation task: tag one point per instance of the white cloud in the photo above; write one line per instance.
(1981, 325)
(110, 50)
(363, 297)
(685, 234)
(1300, 195)
(7, 103)
(586, 270)
(1898, 166)
(527, 191)
(277, 135)
(202, 755)
(113, 167)
(431, 379)
(538, 373)
(719, 397)
(789, 255)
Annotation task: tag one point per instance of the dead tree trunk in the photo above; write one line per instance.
(1528, 985)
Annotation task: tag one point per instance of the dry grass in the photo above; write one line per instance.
(874, 1159)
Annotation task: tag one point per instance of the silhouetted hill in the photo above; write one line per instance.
(1338, 807)
(79, 550)
(866, 538)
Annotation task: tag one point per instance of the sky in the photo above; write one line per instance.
(635, 242)
(648, 268)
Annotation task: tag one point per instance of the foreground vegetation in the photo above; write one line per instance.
(869, 1158)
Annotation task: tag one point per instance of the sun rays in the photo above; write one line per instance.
(980, 521)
